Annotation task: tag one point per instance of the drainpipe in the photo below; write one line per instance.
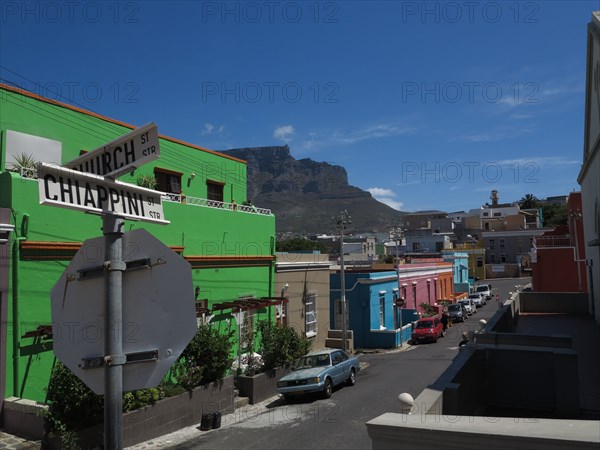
(15, 302)
(271, 270)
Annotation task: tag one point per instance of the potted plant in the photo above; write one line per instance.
(279, 347)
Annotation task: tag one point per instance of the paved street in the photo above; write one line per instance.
(339, 422)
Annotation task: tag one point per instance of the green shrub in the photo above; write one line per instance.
(210, 351)
(72, 406)
(429, 310)
(281, 345)
(147, 181)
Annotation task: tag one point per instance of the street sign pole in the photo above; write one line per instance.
(112, 227)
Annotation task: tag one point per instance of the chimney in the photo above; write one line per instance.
(494, 197)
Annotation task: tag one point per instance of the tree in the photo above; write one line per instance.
(529, 201)
(554, 215)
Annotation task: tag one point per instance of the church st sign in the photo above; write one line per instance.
(120, 155)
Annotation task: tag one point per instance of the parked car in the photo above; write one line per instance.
(485, 289)
(478, 298)
(469, 305)
(319, 372)
(427, 329)
(457, 312)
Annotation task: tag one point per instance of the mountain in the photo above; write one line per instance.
(304, 194)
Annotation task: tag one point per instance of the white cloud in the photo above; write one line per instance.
(546, 161)
(367, 132)
(209, 128)
(381, 192)
(284, 132)
(521, 116)
(391, 203)
(385, 196)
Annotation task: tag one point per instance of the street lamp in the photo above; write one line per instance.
(343, 219)
(471, 240)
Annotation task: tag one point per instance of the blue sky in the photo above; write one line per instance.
(429, 105)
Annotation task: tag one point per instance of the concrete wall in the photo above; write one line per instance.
(393, 431)
(557, 271)
(500, 270)
(588, 176)
(501, 370)
(554, 302)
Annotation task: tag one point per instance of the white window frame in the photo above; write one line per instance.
(382, 311)
(310, 314)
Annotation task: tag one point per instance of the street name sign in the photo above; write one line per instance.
(72, 189)
(121, 155)
(159, 312)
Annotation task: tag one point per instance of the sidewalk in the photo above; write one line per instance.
(10, 442)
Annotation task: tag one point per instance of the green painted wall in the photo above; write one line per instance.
(202, 231)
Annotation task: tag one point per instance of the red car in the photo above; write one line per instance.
(427, 329)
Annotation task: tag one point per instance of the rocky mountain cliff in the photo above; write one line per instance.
(304, 194)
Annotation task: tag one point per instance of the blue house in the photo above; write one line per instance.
(372, 311)
(460, 269)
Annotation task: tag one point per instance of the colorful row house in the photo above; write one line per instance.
(460, 263)
(375, 300)
(230, 246)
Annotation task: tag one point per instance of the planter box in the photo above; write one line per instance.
(262, 386)
(167, 415)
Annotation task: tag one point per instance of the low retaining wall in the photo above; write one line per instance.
(261, 386)
(392, 431)
(23, 418)
(167, 415)
(554, 302)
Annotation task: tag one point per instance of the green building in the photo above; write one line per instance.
(229, 243)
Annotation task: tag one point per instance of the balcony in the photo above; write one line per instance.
(553, 241)
(206, 203)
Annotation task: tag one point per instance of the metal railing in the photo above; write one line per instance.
(553, 241)
(204, 202)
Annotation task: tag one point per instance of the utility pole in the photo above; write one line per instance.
(397, 234)
(342, 220)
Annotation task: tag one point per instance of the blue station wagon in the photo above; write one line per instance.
(319, 372)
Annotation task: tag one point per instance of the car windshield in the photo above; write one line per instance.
(425, 324)
(482, 288)
(310, 361)
(454, 308)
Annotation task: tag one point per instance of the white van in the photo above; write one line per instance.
(485, 289)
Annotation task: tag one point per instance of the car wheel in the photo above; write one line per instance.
(328, 388)
(351, 381)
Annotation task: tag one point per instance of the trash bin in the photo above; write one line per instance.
(216, 420)
(206, 422)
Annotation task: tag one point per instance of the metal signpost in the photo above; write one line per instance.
(150, 285)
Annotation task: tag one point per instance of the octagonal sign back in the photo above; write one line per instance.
(159, 314)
